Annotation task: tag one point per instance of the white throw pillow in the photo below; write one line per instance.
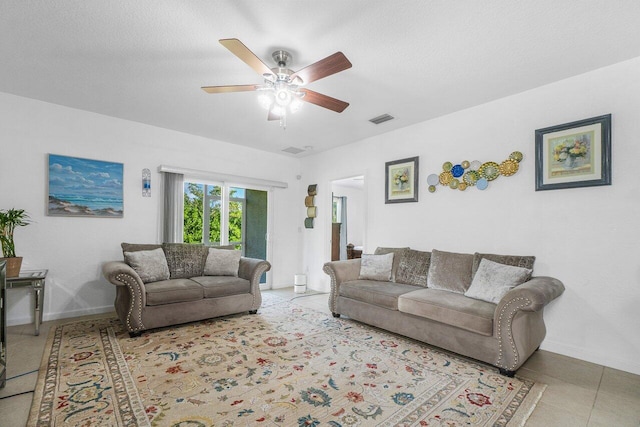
(376, 267)
(493, 280)
(151, 265)
(222, 262)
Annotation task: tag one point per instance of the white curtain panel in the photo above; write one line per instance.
(173, 212)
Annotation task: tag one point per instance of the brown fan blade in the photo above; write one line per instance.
(226, 89)
(324, 101)
(325, 67)
(272, 116)
(241, 51)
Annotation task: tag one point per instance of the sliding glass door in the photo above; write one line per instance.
(216, 214)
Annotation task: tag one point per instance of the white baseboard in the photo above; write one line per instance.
(24, 320)
(601, 358)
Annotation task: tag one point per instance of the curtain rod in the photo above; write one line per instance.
(215, 176)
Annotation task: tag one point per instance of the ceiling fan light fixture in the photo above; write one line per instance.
(283, 95)
(279, 111)
(296, 104)
(266, 99)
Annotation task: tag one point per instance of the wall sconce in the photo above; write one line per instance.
(146, 183)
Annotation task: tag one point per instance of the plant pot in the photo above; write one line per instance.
(13, 266)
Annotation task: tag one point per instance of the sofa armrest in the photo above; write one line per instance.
(251, 269)
(518, 323)
(122, 275)
(340, 272)
(533, 295)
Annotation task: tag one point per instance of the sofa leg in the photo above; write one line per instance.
(507, 373)
(135, 334)
(253, 311)
(336, 315)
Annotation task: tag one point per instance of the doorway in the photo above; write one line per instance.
(348, 213)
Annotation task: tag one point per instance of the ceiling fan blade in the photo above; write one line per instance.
(325, 67)
(232, 88)
(241, 51)
(324, 101)
(272, 116)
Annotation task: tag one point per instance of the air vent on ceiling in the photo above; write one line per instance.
(381, 119)
(293, 150)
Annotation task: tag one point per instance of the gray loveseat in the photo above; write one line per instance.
(423, 297)
(173, 283)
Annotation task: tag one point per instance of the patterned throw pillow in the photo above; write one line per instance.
(413, 268)
(151, 265)
(398, 252)
(376, 267)
(493, 280)
(513, 260)
(450, 271)
(222, 262)
(185, 260)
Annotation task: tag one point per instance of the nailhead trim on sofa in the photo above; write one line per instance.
(137, 298)
(525, 302)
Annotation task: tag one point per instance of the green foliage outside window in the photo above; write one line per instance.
(193, 212)
(194, 215)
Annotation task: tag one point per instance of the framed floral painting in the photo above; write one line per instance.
(576, 154)
(401, 180)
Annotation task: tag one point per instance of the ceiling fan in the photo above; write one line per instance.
(283, 91)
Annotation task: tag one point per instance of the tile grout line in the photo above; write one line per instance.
(596, 398)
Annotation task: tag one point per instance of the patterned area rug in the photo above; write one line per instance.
(286, 366)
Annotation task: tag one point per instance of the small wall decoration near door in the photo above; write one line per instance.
(309, 201)
(401, 180)
(465, 174)
(83, 187)
(576, 154)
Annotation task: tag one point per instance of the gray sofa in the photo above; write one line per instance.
(169, 284)
(424, 298)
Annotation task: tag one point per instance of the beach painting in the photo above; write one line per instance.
(83, 187)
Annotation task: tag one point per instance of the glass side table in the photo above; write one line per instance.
(34, 279)
(3, 327)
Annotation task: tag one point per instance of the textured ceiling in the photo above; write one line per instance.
(146, 60)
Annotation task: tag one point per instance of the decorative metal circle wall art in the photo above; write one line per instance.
(466, 174)
(489, 170)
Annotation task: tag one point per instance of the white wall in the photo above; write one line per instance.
(73, 249)
(587, 237)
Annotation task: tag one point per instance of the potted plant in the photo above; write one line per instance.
(9, 220)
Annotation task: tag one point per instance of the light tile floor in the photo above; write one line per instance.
(578, 393)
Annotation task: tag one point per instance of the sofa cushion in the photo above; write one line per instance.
(185, 260)
(514, 260)
(223, 286)
(175, 290)
(382, 294)
(413, 268)
(151, 265)
(398, 252)
(376, 267)
(134, 247)
(450, 308)
(222, 262)
(493, 280)
(450, 271)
